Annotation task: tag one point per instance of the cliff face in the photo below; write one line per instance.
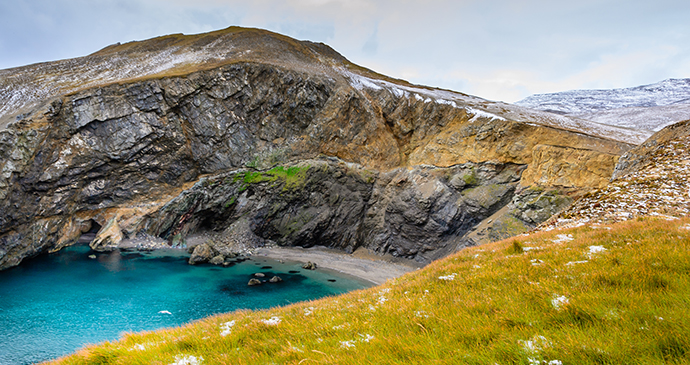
(380, 163)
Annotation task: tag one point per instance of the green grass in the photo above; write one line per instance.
(542, 297)
(292, 177)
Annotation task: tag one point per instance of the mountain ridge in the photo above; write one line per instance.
(646, 107)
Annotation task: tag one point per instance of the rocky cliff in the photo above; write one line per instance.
(649, 180)
(250, 133)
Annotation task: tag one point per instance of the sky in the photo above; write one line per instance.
(497, 49)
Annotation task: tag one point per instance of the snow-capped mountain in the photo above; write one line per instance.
(647, 107)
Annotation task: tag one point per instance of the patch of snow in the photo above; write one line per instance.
(536, 344)
(595, 249)
(347, 344)
(382, 298)
(450, 277)
(273, 321)
(559, 301)
(447, 102)
(561, 238)
(226, 328)
(366, 337)
(187, 360)
(476, 113)
(667, 92)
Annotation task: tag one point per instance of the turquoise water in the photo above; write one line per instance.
(54, 304)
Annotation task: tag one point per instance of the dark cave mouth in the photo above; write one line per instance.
(88, 236)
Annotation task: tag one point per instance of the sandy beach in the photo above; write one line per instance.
(362, 264)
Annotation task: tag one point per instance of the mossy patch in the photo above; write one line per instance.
(292, 177)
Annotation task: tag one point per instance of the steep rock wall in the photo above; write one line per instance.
(120, 153)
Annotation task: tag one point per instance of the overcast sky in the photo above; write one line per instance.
(497, 49)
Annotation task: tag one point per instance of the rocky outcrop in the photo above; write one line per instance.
(293, 142)
(202, 253)
(651, 180)
(644, 154)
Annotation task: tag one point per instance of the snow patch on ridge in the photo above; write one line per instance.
(479, 108)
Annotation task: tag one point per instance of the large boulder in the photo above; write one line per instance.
(202, 253)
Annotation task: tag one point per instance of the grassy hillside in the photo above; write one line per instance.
(615, 294)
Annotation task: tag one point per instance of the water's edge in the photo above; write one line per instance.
(57, 303)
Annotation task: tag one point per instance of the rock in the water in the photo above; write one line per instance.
(275, 279)
(309, 265)
(254, 281)
(92, 257)
(217, 260)
(259, 275)
(202, 253)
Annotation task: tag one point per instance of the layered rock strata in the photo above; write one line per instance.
(303, 146)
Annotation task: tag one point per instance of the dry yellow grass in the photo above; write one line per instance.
(615, 295)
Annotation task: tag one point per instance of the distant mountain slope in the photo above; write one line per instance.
(647, 107)
(667, 92)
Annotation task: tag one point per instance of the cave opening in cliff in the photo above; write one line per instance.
(89, 235)
(208, 222)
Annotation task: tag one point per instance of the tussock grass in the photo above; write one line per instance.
(617, 295)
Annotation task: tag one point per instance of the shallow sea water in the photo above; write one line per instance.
(55, 304)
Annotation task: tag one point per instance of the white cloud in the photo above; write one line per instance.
(497, 49)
